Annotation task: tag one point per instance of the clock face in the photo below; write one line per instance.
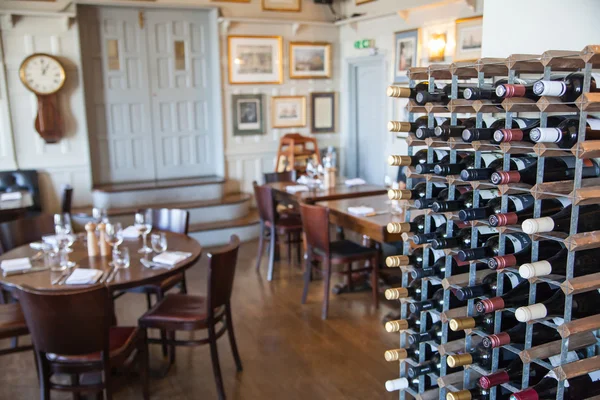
(42, 74)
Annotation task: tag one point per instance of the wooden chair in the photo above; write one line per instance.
(72, 334)
(315, 221)
(66, 204)
(12, 325)
(26, 230)
(287, 176)
(183, 312)
(271, 223)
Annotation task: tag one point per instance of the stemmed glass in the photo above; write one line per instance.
(64, 239)
(159, 242)
(143, 223)
(114, 235)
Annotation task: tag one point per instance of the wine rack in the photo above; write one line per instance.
(574, 333)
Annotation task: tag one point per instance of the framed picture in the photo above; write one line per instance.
(322, 111)
(310, 60)
(407, 53)
(288, 111)
(359, 2)
(282, 5)
(248, 114)
(255, 59)
(468, 39)
(232, 1)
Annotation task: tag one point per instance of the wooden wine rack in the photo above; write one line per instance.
(575, 334)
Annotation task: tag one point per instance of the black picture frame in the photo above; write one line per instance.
(318, 115)
(248, 114)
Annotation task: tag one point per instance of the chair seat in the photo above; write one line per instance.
(179, 312)
(344, 251)
(288, 224)
(161, 286)
(122, 340)
(12, 321)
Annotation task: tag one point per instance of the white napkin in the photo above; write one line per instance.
(131, 232)
(16, 264)
(83, 276)
(171, 257)
(355, 182)
(296, 188)
(11, 196)
(361, 211)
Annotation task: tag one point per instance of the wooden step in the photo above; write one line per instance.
(250, 219)
(160, 184)
(218, 233)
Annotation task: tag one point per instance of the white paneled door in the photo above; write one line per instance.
(147, 94)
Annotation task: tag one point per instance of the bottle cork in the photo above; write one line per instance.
(395, 355)
(459, 360)
(397, 91)
(460, 395)
(396, 261)
(397, 293)
(398, 227)
(396, 384)
(104, 251)
(460, 324)
(397, 126)
(92, 239)
(397, 161)
(399, 194)
(396, 326)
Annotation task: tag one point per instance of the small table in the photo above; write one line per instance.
(339, 192)
(134, 276)
(15, 209)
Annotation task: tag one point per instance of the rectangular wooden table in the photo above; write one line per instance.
(374, 226)
(339, 192)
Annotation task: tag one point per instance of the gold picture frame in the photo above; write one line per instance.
(267, 6)
(244, 67)
(288, 111)
(361, 2)
(462, 34)
(316, 61)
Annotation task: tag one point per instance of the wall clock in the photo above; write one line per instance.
(44, 75)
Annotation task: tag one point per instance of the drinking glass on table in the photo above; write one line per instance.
(143, 223)
(63, 241)
(159, 242)
(62, 222)
(121, 257)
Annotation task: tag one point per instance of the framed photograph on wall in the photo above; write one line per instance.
(282, 5)
(310, 60)
(248, 114)
(255, 59)
(407, 53)
(288, 111)
(469, 34)
(322, 111)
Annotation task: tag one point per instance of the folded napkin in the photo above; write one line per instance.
(355, 182)
(83, 276)
(361, 211)
(296, 188)
(16, 264)
(131, 232)
(171, 257)
(11, 196)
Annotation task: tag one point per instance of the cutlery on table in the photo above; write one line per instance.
(66, 276)
(106, 275)
(153, 264)
(55, 281)
(25, 271)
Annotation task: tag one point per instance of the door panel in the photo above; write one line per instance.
(180, 95)
(114, 52)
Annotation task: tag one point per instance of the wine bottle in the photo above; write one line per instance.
(412, 322)
(484, 174)
(439, 268)
(579, 387)
(419, 158)
(464, 201)
(524, 210)
(473, 134)
(488, 286)
(508, 90)
(424, 203)
(517, 297)
(523, 134)
(447, 131)
(421, 122)
(561, 221)
(413, 290)
(424, 132)
(483, 322)
(516, 336)
(467, 162)
(494, 206)
(415, 259)
(440, 95)
(432, 366)
(403, 383)
(566, 134)
(436, 302)
(418, 192)
(586, 262)
(555, 169)
(405, 92)
(513, 374)
(485, 92)
(417, 225)
(440, 229)
(514, 242)
(546, 249)
(411, 352)
(475, 394)
(462, 239)
(426, 168)
(584, 305)
(433, 334)
(567, 89)
(479, 355)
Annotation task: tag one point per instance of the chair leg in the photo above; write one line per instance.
(75, 382)
(171, 337)
(289, 247)
(307, 274)
(232, 342)
(214, 353)
(272, 254)
(44, 374)
(163, 333)
(349, 278)
(261, 244)
(143, 360)
(184, 284)
(149, 300)
(299, 247)
(327, 289)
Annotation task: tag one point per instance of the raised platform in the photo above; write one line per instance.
(217, 233)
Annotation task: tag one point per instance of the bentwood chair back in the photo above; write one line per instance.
(287, 176)
(25, 230)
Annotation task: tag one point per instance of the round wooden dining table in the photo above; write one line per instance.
(124, 278)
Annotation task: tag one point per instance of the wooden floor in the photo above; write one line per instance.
(288, 352)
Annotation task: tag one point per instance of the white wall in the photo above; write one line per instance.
(534, 26)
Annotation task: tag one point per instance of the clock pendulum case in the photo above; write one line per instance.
(44, 75)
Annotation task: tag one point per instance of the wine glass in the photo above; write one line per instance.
(159, 242)
(114, 234)
(121, 257)
(62, 244)
(143, 223)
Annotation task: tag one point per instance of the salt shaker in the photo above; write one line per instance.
(92, 239)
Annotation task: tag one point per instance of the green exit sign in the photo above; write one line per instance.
(364, 44)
